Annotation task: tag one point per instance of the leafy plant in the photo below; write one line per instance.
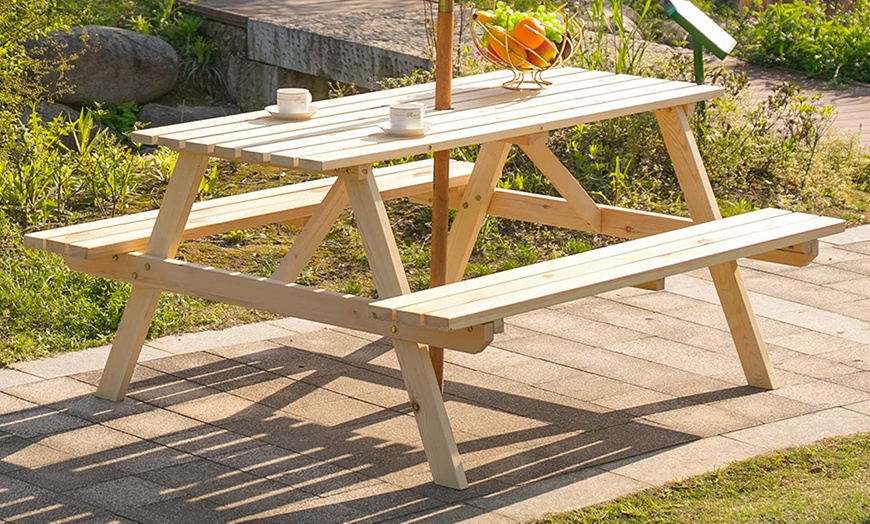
(809, 37)
(612, 47)
(122, 118)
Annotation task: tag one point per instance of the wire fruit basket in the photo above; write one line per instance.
(527, 43)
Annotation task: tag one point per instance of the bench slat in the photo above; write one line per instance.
(541, 285)
(407, 302)
(276, 205)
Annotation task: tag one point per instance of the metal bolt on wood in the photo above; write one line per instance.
(393, 329)
(135, 275)
(147, 267)
(415, 407)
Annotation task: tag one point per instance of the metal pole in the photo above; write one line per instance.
(698, 51)
(441, 169)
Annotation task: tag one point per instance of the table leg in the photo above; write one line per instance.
(390, 280)
(313, 233)
(729, 284)
(472, 210)
(164, 241)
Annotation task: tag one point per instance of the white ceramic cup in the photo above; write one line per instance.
(293, 100)
(406, 115)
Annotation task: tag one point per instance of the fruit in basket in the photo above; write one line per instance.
(544, 54)
(529, 32)
(483, 17)
(524, 40)
(506, 48)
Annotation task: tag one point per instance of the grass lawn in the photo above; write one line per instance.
(828, 482)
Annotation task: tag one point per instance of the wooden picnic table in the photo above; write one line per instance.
(343, 140)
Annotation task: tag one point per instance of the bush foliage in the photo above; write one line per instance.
(812, 36)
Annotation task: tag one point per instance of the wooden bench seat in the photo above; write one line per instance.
(285, 204)
(488, 298)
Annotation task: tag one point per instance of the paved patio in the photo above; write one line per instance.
(291, 421)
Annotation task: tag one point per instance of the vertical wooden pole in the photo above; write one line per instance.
(441, 173)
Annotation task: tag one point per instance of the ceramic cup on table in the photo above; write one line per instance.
(294, 100)
(406, 115)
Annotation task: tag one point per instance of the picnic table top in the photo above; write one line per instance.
(344, 131)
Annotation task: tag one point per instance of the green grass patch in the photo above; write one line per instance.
(824, 483)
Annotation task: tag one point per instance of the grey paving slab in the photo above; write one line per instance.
(558, 494)
(116, 495)
(860, 407)
(56, 391)
(859, 309)
(702, 420)
(861, 265)
(78, 362)
(859, 380)
(816, 367)
(805, 429)
(561, 324)
(27, 503)
(850, 236)
(826, 275)
(822, 394)
(35, 421)
(454, 513)
(830, 254)
(860, 287)
(210, 339)
(12, 377)
(694, 458)
(765, 406)
(855, 356)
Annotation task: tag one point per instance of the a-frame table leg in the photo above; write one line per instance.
(419, 376)
(729, 284)
(164, 241)
(475, 203)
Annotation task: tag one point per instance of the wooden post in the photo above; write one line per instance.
(441, 169)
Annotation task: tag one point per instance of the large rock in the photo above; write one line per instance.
(116, 66)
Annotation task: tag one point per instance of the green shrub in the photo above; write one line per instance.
(805, 36)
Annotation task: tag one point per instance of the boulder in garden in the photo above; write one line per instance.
(114, 65)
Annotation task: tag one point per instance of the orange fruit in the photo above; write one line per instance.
(506, 48)
(529, 32)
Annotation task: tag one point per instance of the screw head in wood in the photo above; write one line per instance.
(393, 329)
(415, 406)
(115, 258)
(135, 275)
(147, 267)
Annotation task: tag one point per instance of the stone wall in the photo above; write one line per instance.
(252, 84)
(313, 50)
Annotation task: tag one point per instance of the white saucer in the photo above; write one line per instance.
(388, 129)
(277, 113)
